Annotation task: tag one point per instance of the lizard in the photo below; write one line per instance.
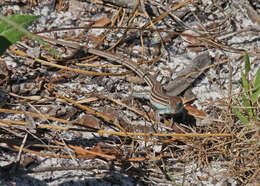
(164, 103)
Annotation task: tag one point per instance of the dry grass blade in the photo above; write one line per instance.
(21, 53)
(10, 123)
(101, 132)
(216, 140)
(37, 115)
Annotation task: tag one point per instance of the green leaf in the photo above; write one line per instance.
(9, 34)
(247, 63)
(240, 116)
(244, 82)
(256, 91)
(246, 103)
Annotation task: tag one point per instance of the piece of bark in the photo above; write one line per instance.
(179, 84)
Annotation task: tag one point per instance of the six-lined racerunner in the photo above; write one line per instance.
(164, 103)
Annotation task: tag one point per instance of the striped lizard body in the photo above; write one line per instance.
(164, 103)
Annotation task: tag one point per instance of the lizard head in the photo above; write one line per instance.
(176, 104)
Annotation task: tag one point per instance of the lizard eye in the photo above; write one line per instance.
(176, 104)
(180, 106)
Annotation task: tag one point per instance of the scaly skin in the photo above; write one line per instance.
(164, 103)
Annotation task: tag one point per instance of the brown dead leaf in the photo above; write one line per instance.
(195, 49)
(81, 151)
(202, 178)
(110, 112)
(194, 111)
(89, 121)
(101, 22)
(91, 153)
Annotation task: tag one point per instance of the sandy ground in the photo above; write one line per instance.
(209, 89)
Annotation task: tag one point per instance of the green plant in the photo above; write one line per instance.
(13, 27)
(249, 97)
